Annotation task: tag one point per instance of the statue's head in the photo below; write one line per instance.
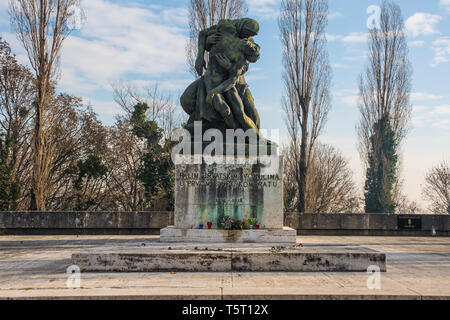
(251, 50)
(247, 28)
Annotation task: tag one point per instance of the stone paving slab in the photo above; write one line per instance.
(35, 268)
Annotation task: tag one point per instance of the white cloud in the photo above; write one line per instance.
(446, 4)
(442, 124)
(339, 66)
(354, 37)
(119, 41)
(347, 97)
(416, 44)
(442, 110)
(177, 16)
(356, 57)
(169, 85)
(334, 15)
(266, 9)
(419, 108)
(109, 108)
(437, 117)
(441, 48)
(175, 84)
(422, 24)
(421, 96)
(255, 74)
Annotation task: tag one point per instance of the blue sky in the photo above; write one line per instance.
(143, 42)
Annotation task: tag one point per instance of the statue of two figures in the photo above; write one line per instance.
(220, 98)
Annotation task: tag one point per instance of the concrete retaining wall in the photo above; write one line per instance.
(35, 222)
(39, 223)
(367, 224)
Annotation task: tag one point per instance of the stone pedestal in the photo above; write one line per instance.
(239, 188)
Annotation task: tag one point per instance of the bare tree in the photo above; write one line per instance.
(330, 187)
(41, 27)
(206, 13)
(437, 188)
(74, 135)
(405, 206)
(16, 113)
(307, 76)
(125, 191)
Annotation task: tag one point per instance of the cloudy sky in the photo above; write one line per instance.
(143, 41)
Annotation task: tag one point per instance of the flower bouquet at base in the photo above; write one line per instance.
(226, 223)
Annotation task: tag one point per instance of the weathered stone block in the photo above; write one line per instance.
(308, 261)
(153, 262)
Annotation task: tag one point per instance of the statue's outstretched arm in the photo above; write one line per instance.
(200, 61)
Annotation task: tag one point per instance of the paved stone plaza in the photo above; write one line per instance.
(35, 267)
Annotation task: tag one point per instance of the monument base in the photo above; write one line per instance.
(285, 236)
(236, 188)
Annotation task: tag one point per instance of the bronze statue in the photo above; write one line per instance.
(220, 98)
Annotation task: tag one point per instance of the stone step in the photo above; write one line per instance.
(288, 259)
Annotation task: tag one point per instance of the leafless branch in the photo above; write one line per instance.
(306, 77)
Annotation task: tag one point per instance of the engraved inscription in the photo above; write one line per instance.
(230, 179)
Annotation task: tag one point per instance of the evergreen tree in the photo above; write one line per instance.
(156, 170)
(382, 170)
